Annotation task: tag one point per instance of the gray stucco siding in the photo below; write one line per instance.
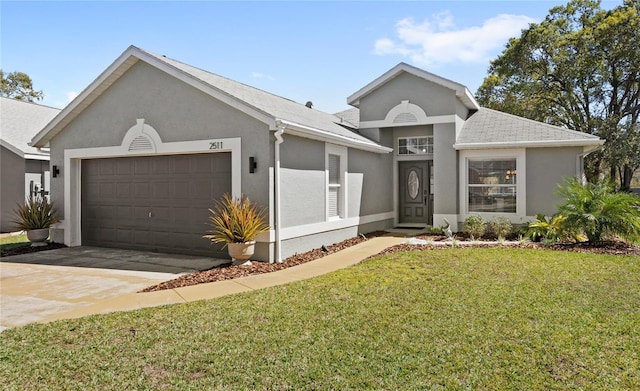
(12, 169)
(432, 98)
(445, 166)
(370, 183)
(302, 181)
(177, 111)
(302, 196)
(546, 169)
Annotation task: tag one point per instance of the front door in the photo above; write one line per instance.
(416, 197)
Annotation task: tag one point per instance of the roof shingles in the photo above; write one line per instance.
(20, 121)
(488, 126)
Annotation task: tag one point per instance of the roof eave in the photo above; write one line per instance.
(462, 92)
(326, 136)
(530, 144)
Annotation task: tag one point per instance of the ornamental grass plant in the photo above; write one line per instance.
(36, 213)
(236, 220)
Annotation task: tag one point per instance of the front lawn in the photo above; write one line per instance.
(441, 319)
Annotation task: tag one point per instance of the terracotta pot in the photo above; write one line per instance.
(37, 237)
(241, 252)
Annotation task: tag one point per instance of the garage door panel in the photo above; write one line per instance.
(123, 189)
(141, 166)
(181, 164)
(107, 168)
(162, 190)
(106, 190)
(118, 195)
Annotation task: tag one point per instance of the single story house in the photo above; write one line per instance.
(148, 146)
(24, 169)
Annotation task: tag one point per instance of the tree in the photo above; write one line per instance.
(18, 85)
(579, 68)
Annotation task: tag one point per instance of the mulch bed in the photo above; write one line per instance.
(605, 247)
(26, 249)
(229, 272)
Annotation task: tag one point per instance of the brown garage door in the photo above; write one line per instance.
(156, 203)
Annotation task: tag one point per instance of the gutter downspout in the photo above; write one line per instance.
(279, 140)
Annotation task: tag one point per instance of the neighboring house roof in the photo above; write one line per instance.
(489, 128)
(266, 107)
(19, 122)
(461, 91)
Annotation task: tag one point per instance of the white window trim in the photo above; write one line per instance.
(415, 154)
(519, 155)
(332, 149)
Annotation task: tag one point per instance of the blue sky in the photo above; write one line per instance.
(320, 51)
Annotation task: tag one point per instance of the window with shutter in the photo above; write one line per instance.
(334, 190)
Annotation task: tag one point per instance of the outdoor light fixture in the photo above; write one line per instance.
(252, 164)
(55, 171)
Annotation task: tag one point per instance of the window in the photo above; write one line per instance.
(336, 167)
(415, 145)
(492, 185)
(334, 188)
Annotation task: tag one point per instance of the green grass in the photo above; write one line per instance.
(491, 319)
(12, 241)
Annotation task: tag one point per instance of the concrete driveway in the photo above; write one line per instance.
(38, 285)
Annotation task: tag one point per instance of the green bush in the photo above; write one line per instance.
(501, 227)
(436, 231)
(598, 210)
(475, 226)
(545, 228)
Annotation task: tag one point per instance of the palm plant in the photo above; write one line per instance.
(236, 221)
(36, 213)
(546, 228)
(597, 210)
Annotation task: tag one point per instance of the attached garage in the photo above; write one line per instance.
(154, 203)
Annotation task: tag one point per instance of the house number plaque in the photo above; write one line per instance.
(215, 145)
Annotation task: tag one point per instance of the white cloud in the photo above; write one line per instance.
(71, 95)
(436, 41)
(258, 75)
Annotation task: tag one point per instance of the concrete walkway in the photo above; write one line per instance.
(117, 300)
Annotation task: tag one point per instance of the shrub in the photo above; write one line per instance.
(545, 228)
(475, 226)
(597, 210)
(501, 227)
(436, 231)
(36, 213)
(236, 221)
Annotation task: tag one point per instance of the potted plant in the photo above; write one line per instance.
(35, 217)
(237, 223)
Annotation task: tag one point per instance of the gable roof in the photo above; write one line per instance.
(19, 122)
(265, 107)
(461, 91)
(489, 128)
